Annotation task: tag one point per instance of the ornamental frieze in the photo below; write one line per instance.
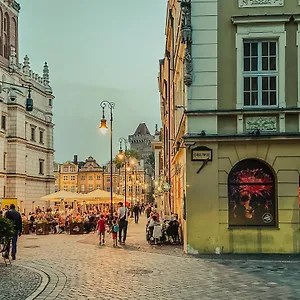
(264, 124)
(260, 3)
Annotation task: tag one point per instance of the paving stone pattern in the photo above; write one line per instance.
(74, 268)
(17, 283)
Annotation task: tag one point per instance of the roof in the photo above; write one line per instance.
(142, 129)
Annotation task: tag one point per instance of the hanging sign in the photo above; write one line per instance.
(202, 153)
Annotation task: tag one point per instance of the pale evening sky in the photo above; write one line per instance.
(96, 50)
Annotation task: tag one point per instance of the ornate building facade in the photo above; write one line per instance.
(90, 176)
(230, 108)
(26, 137)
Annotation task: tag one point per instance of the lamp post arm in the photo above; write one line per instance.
(16, 85)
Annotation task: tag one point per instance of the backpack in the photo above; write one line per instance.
(115, 228)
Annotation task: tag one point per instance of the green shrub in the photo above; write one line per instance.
(7, 229)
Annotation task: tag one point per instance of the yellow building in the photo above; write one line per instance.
(230, 107)
(90, 176)
(68, 177)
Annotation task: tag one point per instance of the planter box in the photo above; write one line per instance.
(42, 229)
(25, 229)
(76, 228)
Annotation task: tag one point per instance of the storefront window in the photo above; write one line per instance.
(251, 195)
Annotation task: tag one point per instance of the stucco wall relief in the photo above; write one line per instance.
(258, 3)
(264, 124)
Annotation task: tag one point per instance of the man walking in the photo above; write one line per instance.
(136, 211)
(16, 218)
(123, 222)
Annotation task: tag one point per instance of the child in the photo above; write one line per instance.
(101, 229)
(114, 231)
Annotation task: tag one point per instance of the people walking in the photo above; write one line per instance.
(101, 229)
(16, 218)
(136, 212)
(123, 222)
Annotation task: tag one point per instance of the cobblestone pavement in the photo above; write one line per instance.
(75, 267)
(24, 279)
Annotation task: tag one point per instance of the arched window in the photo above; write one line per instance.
(6, 35)
(251, 194)
(13, 32)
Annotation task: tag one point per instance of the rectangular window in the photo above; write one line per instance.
(90, 188)
(66, 169)
(260, 73)
(108, 189)
(73, 188)
(98, 186)
(90, 177)
(65, 188)
(32, 133)
(107, 179)
(72, 177)
(50, 102)
(82, 188)
(4, 160)
(115, 179)
(41, 167)
(98, 177)
(72, 169)
(82, 177)
(41, 136)
(130, 189)
(65, 178)
(3, 122)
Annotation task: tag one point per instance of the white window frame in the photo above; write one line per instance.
(260, 73)
(268, 30)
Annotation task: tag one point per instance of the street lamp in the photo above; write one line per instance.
(103, 128)
(13, 95)
(122, 156)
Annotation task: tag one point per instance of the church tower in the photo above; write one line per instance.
(9, 12)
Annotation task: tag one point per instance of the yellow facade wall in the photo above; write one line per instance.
(207, 200)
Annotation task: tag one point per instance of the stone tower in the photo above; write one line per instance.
(141, 141)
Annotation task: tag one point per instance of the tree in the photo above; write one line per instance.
(131, 153)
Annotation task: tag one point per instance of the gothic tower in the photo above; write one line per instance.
(9, 11)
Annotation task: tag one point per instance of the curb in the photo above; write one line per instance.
(44, 282)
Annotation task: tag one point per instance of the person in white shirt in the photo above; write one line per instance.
(123, 222)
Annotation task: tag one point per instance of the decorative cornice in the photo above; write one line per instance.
(270, 18)
(260, 3)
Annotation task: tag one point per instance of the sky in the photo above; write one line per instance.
(96, 50)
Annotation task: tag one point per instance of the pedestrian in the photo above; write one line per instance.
(16, 218)
(123, 222)
(114, 231)
(101, 229)
(136, 211)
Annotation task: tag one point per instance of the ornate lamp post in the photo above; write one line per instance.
(103, 128)
(122, 156)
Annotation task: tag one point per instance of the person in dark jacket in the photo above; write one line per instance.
(16, 218)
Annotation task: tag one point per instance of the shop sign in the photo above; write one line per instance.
(202, 153)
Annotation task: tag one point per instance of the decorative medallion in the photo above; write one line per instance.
(260, 3)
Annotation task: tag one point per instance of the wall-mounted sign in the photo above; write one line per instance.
(202, 153)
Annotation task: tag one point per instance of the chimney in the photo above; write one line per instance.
(75, 159)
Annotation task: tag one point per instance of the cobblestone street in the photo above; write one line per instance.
(75, 267)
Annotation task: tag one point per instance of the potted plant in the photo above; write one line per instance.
(7, 229)
(76, 227)
(25, 225)
(42, 227)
